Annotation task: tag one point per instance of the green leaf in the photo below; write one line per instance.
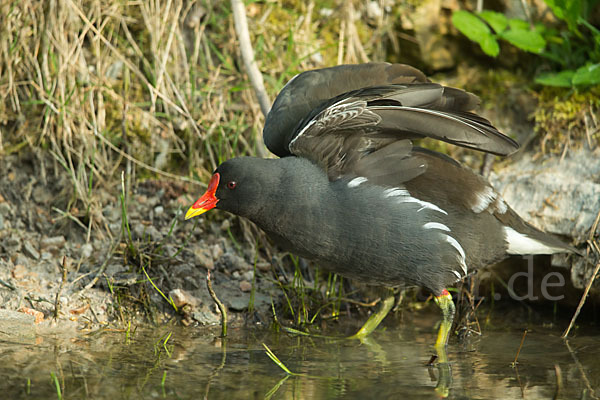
(525, 39)
(518, 24)
(476, 30)
(469, 25)
(587, 75)
(497, 21)
(560, 79)
(490, 45)
(567, 10)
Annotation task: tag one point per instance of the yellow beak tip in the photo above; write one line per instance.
(193, 212)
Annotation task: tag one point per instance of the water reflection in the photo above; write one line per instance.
(193, 363)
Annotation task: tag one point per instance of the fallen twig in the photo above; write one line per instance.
(585, 293)
(221, 306)
(60, 288)
(514, 363)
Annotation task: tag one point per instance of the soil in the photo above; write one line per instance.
(62, 269)
(55, 269)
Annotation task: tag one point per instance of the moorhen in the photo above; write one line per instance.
(352, 193)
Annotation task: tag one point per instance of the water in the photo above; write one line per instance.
(192, 363)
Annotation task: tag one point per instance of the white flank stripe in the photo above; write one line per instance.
(357, 181)
(519, 243)
(457, 274)
(501, 205)
(458, 247)
(484, 199)
(436, 225)
(423, 204)
(395, 192)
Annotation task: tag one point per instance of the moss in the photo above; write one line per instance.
(566, 118)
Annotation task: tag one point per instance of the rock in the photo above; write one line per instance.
(159, 210)
(233, 262)
(19, 272)
(154, 233)
(226, 225)
(79, 310)
(21, 260)
(87, 250)
(245, 286)
(217, 251)
(54, 242)
(144, 232)
(430, 27)
(374, 11)
(248, 275)
(41, 195)
(237, 303)
(263, 266)
(30, 251)
(204, 259)
(112, 213)
(15, 324)
(560, 197)
(205, 317)
(12, 244)
(38, 316)
(181, 298)
(5, 209)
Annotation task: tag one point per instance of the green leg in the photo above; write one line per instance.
(375, 319)
(444, 301)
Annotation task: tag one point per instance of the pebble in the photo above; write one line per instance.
(12, 244)
(205, 317)
(217, 251)
(225, 225)
(52, 242)
(159, 210)
(87, 250)
(112, 213)
(147, 232)
(245, 286)
(181, 298)
(263, 266)
(38, 315)
(248, 275)
(232, 262)
(16, 324)
(19, 272)
(30, 251)
(204, 259)
(21, 260)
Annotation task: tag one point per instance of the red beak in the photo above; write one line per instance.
(207, 201)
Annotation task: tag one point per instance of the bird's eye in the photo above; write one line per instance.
(231, 184)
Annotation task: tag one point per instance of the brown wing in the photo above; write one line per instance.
(342, 131)
(308, 90)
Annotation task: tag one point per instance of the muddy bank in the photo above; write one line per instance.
(53, 267)
(146, 265)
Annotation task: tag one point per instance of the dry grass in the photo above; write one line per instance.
(153, 87)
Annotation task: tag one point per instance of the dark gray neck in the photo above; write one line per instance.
(297, 187)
